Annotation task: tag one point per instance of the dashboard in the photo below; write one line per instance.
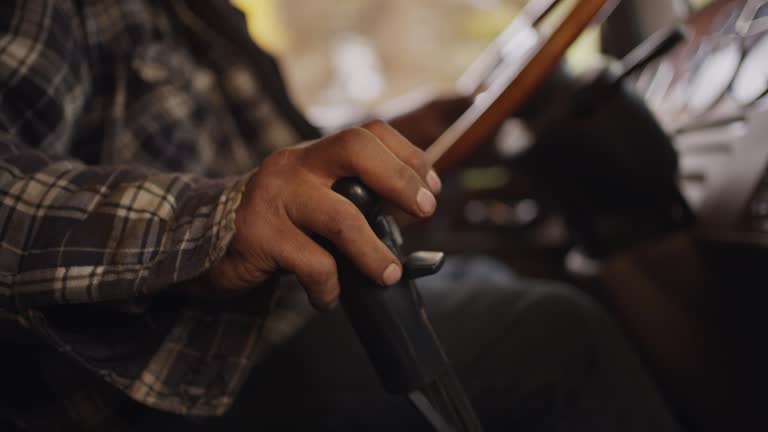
(710, 95)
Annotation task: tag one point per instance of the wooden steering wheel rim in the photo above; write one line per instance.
(474, 128)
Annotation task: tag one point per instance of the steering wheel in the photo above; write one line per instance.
(514, 83)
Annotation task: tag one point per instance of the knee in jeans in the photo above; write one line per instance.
(560, 299)
(566, 319)
(551, 342)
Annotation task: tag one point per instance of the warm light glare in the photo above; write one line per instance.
(263, 23)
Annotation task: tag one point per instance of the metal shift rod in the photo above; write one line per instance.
(393, 327)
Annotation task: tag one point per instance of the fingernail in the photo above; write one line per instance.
(426, 202)
(434, 183)
(391, 274)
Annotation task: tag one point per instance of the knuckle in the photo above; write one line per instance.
(281, 175)
(317, 269)
(278, 160)
(323, 270)
(376, 125)
(350, 139)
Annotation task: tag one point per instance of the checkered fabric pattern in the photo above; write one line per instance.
(127, 132)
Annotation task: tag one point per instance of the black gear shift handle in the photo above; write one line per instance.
(393, 327)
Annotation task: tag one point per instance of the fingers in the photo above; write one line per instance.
(399, 146)
(357, 152)
(313, 266)
(336, 219)
(406, 152)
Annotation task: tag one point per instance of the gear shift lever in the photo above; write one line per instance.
(393, 326)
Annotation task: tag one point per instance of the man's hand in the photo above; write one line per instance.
(290, 198)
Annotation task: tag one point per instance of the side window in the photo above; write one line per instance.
(347, 58)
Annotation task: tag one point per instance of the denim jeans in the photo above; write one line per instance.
(533, 356)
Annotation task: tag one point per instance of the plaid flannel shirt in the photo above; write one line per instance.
(127, 131)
